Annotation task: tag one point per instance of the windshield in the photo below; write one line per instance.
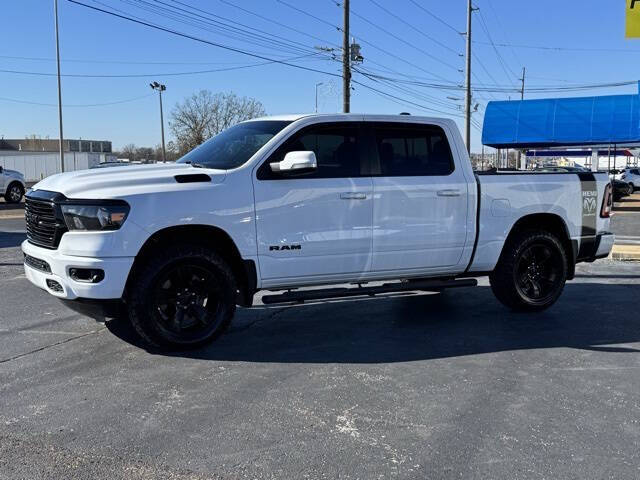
(234, 146)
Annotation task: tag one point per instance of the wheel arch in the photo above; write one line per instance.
(208, 236)
(552, 223)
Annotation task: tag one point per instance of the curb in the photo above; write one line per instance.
(629, 253)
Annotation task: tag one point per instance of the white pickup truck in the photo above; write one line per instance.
(383, 203)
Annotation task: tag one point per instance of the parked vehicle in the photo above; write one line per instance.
(12, 185)
(620, 190)
(561, 169)
(285, 203)
(632, 177)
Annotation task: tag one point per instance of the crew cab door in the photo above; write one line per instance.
(420, 200)
(315, 226)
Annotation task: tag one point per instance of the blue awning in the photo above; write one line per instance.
(558, 122)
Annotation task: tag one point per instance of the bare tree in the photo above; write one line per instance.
(129, 151)
(205, 114)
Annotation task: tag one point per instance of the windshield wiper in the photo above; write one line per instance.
(197, 165)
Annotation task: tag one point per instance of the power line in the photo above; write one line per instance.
(215, 26)
(510, 89)
(363, 40)
(414, 93)
(501, 61)
(144, 75)
(283, 25)
(117, 102)
(400, 19)
(433, 15)
(116, 62)
(400, 39)
(263, 33)
(321, 20)
(554, 48)
(495, 14)
(201, 40)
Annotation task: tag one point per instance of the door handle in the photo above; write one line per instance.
(353, 196)
(448, 193)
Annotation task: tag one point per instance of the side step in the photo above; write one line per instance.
(434, 285)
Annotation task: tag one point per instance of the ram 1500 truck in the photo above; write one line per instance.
(383, 203)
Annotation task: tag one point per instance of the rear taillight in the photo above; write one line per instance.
(607, 202)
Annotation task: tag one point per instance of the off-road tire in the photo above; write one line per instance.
(503, 279)
(141, 304)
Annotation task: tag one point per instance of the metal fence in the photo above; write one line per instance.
(37, 165)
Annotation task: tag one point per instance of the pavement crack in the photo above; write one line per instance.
(15, 357)
(258, 320)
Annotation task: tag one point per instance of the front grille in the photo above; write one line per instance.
(44, 226)
(37, 263)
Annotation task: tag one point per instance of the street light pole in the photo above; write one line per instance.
(161, 88)
(317, 85)
(60, 141)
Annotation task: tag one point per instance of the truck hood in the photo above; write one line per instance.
(128, 180)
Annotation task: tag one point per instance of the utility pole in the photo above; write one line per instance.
(467, 100)
(161, 88)
(61, 141)
(522, 164)
(346, 61)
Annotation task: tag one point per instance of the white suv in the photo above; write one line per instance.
(12, 186)
(632, 177)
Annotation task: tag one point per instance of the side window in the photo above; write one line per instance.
(336, 148)
(635, 172)
(413, 151)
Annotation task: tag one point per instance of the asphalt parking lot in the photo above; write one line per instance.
(422, 386)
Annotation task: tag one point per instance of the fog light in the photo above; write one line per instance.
(86, 275)
(54, 286)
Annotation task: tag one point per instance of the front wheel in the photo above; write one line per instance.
(14, 193)
(531, 272)
(183, 297)
(632, 188)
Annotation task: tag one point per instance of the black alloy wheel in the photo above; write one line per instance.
(181, 297)
(538, 273)
(531, 272)
(187, 301)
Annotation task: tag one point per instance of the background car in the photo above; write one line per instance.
(632, 177)
(620, 190)
(561, 169)
(12, 186)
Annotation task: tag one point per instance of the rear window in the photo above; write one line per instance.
(413, 151)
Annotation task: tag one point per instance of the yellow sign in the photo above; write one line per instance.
(633, 19)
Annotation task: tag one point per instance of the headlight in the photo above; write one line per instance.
(95, 217)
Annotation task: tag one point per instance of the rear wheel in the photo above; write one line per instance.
(184, 297)
(14, 193)
(531, 272)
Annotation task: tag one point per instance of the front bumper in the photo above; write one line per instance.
(116, 271)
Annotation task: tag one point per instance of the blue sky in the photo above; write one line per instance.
(414, 46)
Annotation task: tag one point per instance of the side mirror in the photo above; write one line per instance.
(296, 162)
